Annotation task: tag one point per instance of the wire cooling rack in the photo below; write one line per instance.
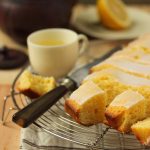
(57, 122)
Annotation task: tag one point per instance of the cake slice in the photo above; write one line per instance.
(139, 54)
(142, 131)
(114, 82)
(126, 65)
(141, 41)
(87, 104)
(34, 86)
(125, 110)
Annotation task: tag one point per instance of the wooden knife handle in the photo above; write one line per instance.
(33, 111)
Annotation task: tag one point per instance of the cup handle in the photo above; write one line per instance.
(84, 43)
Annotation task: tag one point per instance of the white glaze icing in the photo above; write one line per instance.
(129, 65)
(127, 99)
(140, 55)
(121, 76)
(86, 92)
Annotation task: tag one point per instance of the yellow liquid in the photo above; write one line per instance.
(51, 43)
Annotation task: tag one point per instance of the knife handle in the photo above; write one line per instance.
(33, 111)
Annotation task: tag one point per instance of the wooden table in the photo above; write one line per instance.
(10, 133)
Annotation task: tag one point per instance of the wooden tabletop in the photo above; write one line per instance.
(10, 133)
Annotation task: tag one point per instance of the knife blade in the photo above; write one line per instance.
(39, 106)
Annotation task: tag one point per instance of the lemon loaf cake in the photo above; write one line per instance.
(126, 65)
(125, 110)
(114, 82)
(34, 85)
(139, 54)
(141, 41)
(142, 131)
(87, 104)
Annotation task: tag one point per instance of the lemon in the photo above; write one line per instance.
(113, 14)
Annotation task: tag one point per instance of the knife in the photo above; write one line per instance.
(40, 105)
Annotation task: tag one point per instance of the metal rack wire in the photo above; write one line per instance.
(56, 122)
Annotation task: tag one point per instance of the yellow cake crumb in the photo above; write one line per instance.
(87, 104)
(142, 131)
(114, 82)
(126, 64)
(35, 85)
(124, 110)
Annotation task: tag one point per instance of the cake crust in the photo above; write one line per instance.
(114, 116)
(142, 131)
(29, 93)
(124, 110)
(71, 109)
(87, 104)
(33, 85)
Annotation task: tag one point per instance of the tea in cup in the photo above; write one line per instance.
(54, 52)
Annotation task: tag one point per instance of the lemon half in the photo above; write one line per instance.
(113, 14)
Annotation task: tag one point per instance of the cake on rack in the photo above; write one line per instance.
(124, 79)
(142, 41)
(124, 110)
(114, 82)
(33, 85)
(137, 54)
(142, 131)
(87, 104)
(125, 64)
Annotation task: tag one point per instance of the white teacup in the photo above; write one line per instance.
(54, 52)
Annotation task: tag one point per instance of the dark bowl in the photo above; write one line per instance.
(18, 18)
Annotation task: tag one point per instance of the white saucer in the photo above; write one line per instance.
(88, 22)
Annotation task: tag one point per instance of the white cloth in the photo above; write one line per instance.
(34, 138)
